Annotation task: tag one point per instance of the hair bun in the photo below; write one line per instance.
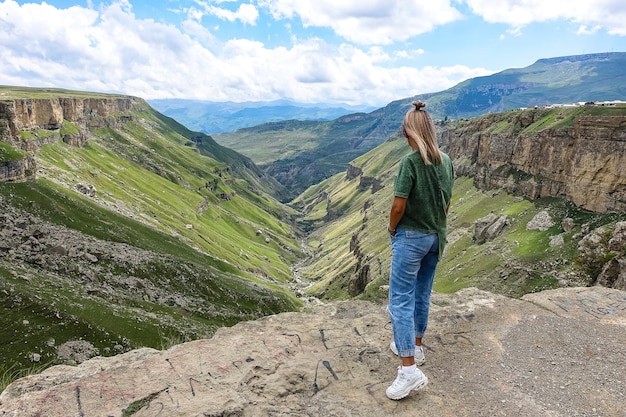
(418, 105)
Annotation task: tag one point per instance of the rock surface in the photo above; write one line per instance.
(556, 353)
(584, 162)
(488, 228)
(44, 119)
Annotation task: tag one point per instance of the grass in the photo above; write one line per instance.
(543, 118)
(170, 194)
(55, 204)
(136, 406)
(281, 143)
(10, 373)
(13, 92)
(10, 154)
(197, 262)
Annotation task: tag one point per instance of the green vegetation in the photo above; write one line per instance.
(517, 262)
(13, 92)
(316, 150)
(172, 243)
(9, 154)
(9, 374)
(69, 128)
(136, 406)
(275, 141)
(536, 120)
(165, 235)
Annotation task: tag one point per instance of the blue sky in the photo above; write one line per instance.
(359, 52)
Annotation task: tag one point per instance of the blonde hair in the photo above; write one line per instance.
(419, 129)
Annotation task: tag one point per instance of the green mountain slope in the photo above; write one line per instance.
(299, 154)
(147, 232)
(348, 215)
(570, 79)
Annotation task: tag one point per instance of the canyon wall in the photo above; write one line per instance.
(28, 123)
(583, 161)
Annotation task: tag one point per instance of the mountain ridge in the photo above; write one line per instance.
(217, 117)
(591, 77)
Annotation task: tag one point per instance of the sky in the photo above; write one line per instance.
(357, 52)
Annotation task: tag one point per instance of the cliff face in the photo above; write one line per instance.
(27, 124)
(582, 160)
(49, 114)
(18, 170)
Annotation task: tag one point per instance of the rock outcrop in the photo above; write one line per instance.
(614, 270)
(557, 353)
(18, 170)
(50, 113)
(489, 227)
(365, 182)
(584, 162)
(27, 124)
(603, 253)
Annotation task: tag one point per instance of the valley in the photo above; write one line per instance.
(121, 228)
(319, 149)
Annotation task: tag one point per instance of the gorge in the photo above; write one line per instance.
(124, 229)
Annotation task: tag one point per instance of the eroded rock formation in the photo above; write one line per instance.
(584, 162)
(27, 124)
(489, 227)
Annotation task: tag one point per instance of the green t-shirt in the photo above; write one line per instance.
(428, 190)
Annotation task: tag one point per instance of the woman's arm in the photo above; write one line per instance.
(395, 214)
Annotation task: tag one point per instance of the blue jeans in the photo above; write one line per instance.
(414, 257)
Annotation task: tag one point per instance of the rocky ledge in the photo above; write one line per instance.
(555, 353)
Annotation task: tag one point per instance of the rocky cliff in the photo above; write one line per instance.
(28, 123)
(577, 154)
(558, 353)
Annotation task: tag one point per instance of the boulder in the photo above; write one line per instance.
(542, 222)
(489, 227)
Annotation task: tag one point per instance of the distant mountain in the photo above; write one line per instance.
(299, 154)
(569, 79)
(216, 117)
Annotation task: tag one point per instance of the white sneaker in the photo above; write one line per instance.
(420, 359)
(405, 383)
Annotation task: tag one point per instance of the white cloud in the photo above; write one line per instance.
(194, 14)
(404, 54)
(607, 14)
(111, 50)
(515, 31)
(584, 30)
(367, 22)
(246, 13)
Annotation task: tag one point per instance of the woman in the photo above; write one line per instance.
(417, 228)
